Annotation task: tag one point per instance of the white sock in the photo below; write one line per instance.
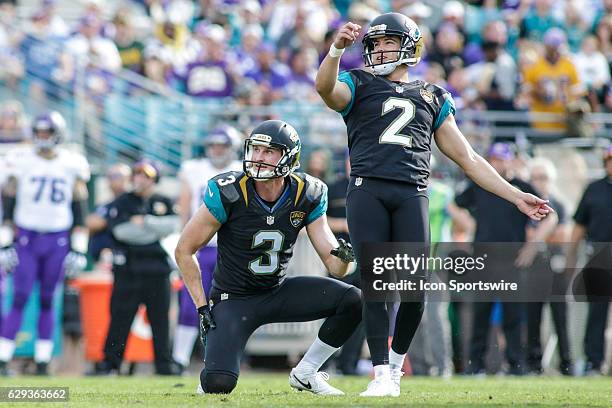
(43, 350)
(7, 348)
(184, 339)
(396, 361)
(382, 371)
(317, 354)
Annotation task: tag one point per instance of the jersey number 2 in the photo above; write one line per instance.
(392, 134)
(270, 266)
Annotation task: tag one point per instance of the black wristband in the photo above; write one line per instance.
(79, 212)
(8, 207)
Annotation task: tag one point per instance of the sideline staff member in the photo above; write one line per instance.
(488, 210)
(138, 220)
(593, 219)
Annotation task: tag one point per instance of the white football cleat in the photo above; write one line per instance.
(199, 390)
(396, 376)
(315, 383)
(382, 387)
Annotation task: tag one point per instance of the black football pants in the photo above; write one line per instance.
(297, 299)
(387, 211)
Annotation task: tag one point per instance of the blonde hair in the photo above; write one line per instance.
(546, 164)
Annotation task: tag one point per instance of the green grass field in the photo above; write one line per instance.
(272, 390)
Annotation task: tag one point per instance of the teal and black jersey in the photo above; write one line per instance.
(255, 242)
(390, 125)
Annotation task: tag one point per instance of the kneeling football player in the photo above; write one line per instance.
(257, 214)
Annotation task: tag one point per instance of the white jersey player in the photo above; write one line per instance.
(42, 234)
(221, 146)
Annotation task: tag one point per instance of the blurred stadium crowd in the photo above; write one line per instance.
(491, 55)
(488, 54)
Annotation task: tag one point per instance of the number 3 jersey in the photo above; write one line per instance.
(45, 187)
(390, 125)
(255, 242)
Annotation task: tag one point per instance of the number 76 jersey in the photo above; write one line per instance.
(390, 125)
(45, 187)
(255, 241)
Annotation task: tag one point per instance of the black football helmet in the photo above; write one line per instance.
(278, 135)
(393, 24)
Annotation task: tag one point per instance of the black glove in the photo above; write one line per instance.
(344, 251)
(206, 323)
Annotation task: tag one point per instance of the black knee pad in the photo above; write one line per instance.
(46, 302)
(351, 303)
(218, 382)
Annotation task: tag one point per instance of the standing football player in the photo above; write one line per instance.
(42, 235)
(258, 214)
(390, 122)
(220, 145)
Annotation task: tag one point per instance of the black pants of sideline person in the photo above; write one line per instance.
(515, 352)
(534, 343)
(129, 291)
(594, 337)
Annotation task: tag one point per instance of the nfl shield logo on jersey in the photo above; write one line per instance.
(296, 218)
(270, 219)
(358, 181)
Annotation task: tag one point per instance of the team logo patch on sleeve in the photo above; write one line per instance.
(427, 95)
(296, 218)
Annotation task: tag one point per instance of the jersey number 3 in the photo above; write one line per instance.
(270, 265)
(392, 134)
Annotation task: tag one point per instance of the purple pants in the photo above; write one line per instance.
(41, 258)
(188, 315)
(1, 292)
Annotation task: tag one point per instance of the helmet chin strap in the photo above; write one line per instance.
(386, 69)
(265, 174)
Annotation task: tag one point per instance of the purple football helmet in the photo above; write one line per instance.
(221, 145)
(53, 124)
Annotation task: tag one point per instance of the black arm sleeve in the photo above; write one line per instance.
(8, 207)
(79, 213)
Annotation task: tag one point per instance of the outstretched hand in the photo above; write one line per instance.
(532, 206)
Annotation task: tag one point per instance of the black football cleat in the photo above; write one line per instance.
(42, 369)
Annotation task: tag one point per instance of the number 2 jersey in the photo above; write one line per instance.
(255, 242)
(45, 187)
(390, 125)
